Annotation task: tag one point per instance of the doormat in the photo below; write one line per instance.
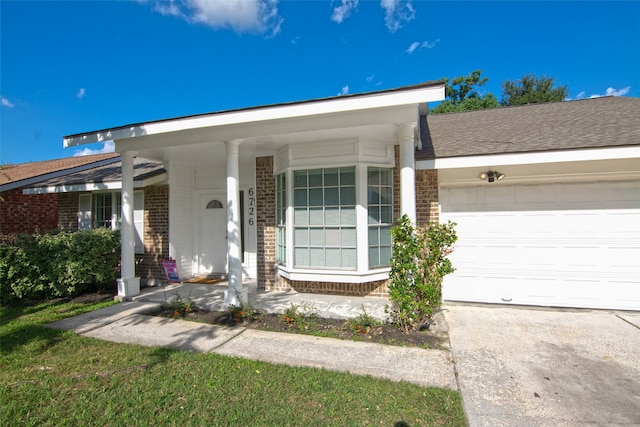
(206, 280)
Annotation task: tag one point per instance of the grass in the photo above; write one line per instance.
(52, 377)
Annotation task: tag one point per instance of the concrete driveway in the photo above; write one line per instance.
(546, 367)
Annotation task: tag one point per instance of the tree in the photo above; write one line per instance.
(466, 96)
(532, 90)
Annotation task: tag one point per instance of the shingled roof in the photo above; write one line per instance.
(14, 176)
(589, 123)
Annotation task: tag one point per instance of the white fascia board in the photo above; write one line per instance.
(114, 185)
(531, 158)
(415, 96)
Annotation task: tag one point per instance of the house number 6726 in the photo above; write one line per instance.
(252, 206)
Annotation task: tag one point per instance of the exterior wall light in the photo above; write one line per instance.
(491, 176)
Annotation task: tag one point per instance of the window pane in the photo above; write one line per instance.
(373, 176)
(386, 214)
(348, 216)
(385, 176)
(334, 258)
(315, 178)
(331, 196)
(316, 237)
(315, 197)
(301, 236)
(316, 257)
(374, 215)
(385, 255)
(332, 216)
(300, 178)
(374, 256)
(373, 195)
(386, 195)
(301, 256)
(301, 216)
(333, 237)
(385, 236)
(348, 196)
(349, 258)
(373, 236)
(300, 197)
(347, 176)
(330, 177)
(349, 237)
(316, 216)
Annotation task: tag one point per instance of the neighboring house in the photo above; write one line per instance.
(23, 213)
(90, 198)
(302, 195)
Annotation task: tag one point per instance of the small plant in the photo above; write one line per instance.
(240, 314)
(291, 314)
(181, 307)
(363, 323)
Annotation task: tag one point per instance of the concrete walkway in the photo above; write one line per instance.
(514, 366)
(128, 322)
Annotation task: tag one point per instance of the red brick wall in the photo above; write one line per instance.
(427, 205)
(156, 233)
(21, 213)
(266, 222)
(68, 211)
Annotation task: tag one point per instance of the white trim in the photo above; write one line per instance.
(92, 186)
(337, 105)
(531, 158)
(333, 276)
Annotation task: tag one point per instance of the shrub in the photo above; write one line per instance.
(418, 265)
(58, 264)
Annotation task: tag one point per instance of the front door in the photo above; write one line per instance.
(212, 251)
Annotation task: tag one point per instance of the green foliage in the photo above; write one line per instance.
(58, 264)
(467, 95)
(418, 266)
(240, 314)
(362, 323)
(182, 306)
(531, 90)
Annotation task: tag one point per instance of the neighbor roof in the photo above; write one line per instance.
(15, 176)
(589, 123)
(99, 177)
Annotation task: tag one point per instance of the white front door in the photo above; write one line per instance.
(212, 233)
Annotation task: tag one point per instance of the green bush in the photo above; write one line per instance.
(418, 265)
(58, 264)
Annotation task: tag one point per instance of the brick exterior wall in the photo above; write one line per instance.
(427, 202)
(379, 288)
(68, 211)
(265, 223)
(156, 234)
(27, 213)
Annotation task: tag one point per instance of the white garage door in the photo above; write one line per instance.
(561, 244)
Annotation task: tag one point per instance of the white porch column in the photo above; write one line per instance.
(235, 294)
(128, 284)
(407, 171)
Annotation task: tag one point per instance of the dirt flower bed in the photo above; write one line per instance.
(361, 328)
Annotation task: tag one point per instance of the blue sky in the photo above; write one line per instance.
(77, 66)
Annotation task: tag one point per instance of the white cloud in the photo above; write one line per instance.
(296, 40)
(609, 92)
(342, 12)
(81, 93)
(6, 102)
(397, 13)
(344, 90)
(371, 77)
(251, 16)
(107, 147)
(419, 45)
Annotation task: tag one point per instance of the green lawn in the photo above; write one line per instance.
(51, 377)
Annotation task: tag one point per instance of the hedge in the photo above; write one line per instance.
(58, 264)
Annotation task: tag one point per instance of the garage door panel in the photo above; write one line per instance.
(575, 245)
